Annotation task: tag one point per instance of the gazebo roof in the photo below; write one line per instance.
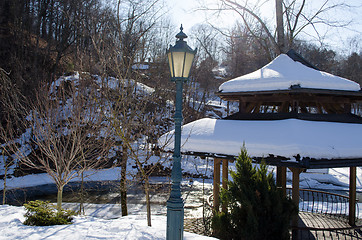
(287, 138)
(283, 73)
(288, 142)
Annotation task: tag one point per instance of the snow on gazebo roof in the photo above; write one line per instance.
(282, 73)
(287, 138)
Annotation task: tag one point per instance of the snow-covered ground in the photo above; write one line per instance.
(85, 227)
(103, 221)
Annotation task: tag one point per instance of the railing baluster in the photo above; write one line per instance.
(313, 203)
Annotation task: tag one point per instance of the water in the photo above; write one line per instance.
(102, 198)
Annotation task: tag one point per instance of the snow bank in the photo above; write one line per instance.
(128, 228)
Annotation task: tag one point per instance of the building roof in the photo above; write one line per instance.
(283, 73)
(289, 142)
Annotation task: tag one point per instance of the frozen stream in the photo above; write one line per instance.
(103, 198)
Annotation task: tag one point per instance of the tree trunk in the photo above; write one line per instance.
(280, 26)
(123, 180)
(4, 189)
(60, 198)
(55, 66)
(81, 205)
(148, 202)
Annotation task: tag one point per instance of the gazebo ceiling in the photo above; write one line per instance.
(341, 118)
(294, 93)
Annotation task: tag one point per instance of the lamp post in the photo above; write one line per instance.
(180, 58)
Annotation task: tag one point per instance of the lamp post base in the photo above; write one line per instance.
(175, 219)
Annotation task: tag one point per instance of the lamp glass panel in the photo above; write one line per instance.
(178, 63)
(170, 63)
(188, 62)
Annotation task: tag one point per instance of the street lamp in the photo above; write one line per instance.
(180, 58)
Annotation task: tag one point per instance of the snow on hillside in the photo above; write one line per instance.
(110, 82)
(64, 108)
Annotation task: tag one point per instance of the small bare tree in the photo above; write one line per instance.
(69, 134)
(139, 133)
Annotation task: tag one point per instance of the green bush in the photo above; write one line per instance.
(257, 209)
(40, 213)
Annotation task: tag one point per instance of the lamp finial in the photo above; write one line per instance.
(181, 35)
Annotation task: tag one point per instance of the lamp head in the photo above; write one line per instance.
(180, 58)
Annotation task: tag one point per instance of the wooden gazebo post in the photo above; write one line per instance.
(216, 182)
(352, 196)
(295, 197)
(281, 179)
(225, 174)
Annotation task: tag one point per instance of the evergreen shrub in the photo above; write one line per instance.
(40, 213)
(257, 209)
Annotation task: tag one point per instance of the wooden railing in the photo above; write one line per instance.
(315, 201)
(332, 205)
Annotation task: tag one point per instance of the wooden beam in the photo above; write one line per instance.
(338, 107)
(352, 196)
(351, 95)
(295, 187)
(319, 107)
(225, 176)
(216, 187)
(303, 107)
(328, 108)
(333, 108)
(242, 106)
(250, 107)
(257, 107)
(282, 179)
(284, 107)
(307, 98)
(279, 176)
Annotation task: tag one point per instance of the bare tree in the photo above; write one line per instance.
(68, 132)
(293, 18)
(141, 149)
(121, 44)
(12, 109)
(118, 58)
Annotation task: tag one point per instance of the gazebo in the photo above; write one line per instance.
(291, 115)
